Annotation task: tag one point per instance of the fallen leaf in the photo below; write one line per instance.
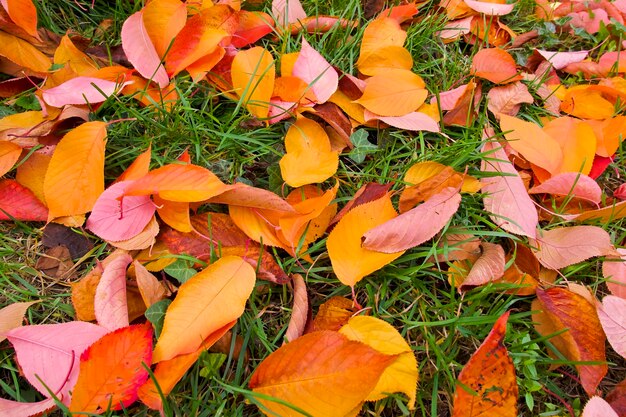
(150, 288)
(12, 316)
(312, 68)
(252, 27)
(332, 314)
(415, 121)
(56, 262)
(309, 158)
(23, 13)
(300, 310)
(425, 220)
(145, 239)
(351, 262)
(617, 398)
(495, 65)
(9, 154)
(19, 203)
(611, 315)
(614, 270)
(560, 60)
(23, 53)
(253, 73)
(489, 377)
(385, 58)
(487, 268)
(116, 217)
(490, 8)
(10, 408)
(82, 90)
(110, 304)
(507, 99)
(395, 92)
(570, 184)
(323, 373)
(206, 302)
(369, 192)
(577, 141)
(56, 234)
(558, 309)
(401, 375)
(140, 50)
(163, 19)
(564, 246)
(287, 11)
(505, 195)
(125, 354)
(75, 176)
(597, 407)
(380, 33)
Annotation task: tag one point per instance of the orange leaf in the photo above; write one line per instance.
(532, 142)
(300, 310)
(9, 154)
(175, 214)
(589, 102)
(112, 370)
(583, 339)
(577, 141)
(176, 182)
(139, 168)
(609, 134)
(24, 14)
(380, 33)
(23, 53)
(309, 158)
(11, 316)
(333, 314)
(68, 54)
(75, 176)
(253, 73)
(385, 58)
(163, 20)
(491, 374)
(322, 373)
(150, 288)
(394, 92)
(350, 261)
(495, 65)
(206, 302)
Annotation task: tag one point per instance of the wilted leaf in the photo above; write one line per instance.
(505, 195)
(253, 73)
(401, 375)
(140, 50)
(299, 311)
(323, 373)
(151, 290)
(564, 246)
(125, 354)
(558, 309)
(395, 92)
(110, 304)
(209, 300)
(18, 202)
(495, 65)
(490, 374)
(350, 261)
(75, 176)
(415, 226)
(312, 68)
(12, 316)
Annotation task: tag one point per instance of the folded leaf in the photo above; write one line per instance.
(312, 68)
(110, 304)
(570, 184)
(300, 310)
(163, 19)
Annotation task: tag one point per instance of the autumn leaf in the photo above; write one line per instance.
(9, 154)
(597, 407)
(23, 13)
(508, 99)
(395, 92)
(495, 65)
(505, 195)
(401, 375)
(207, 301)
(23, 53)
(570, 184)
(287, 11)
(333, 314)
(488, 267)
(487, 384)
(110, 305)
(558, 309)
(312, 68)
(163, 19)
(150, 288)
(614, 270)
(322, 373)
(577, 141)
(350, 261)
(300, 310)
(380, 33)
(18, 202)
(112, 370)
(10, 408)
(75, 176)
(564, 246)
(611, 315)
(253, 74)
(309, 158)
(12, 316)
(82, 90)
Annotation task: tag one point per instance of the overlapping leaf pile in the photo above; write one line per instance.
(534, 174)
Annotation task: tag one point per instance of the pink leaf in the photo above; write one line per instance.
(141, 52)
(614, 270)
(287, 11)
(453, 30)
(490, 9)
(612, 315)
(589, 20)
(312, 68)
(489, 267)
(110, 303)
(115, 219)
(12, 316)
(415, 226)
(597, 407)
(570, 184)
(19, 203)
(81, 90)
(560, 60)
(52, 351)
(300, 311)
(506, 197)
(10, 408)
(449, 99)
(414, 121)
(507, 99)
(564, 246)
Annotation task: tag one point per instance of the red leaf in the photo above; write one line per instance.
(19, 203)
(113, 369)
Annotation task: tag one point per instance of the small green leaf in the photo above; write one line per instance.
(156, 315)
(362, 146)
(211, 364)
(181, 270)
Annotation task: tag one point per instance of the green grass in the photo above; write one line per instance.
(443, 327)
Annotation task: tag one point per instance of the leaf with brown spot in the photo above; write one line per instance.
(333, 314)
(490, 374)
(558, 309)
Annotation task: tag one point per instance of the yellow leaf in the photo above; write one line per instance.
(253, 73)
(401, 375)
(350, 261)
(75, 176)
(23, 53)
(68, 54)
(206, 302)
(309, 158)
(380, 33)
(394, 92)
(9, 154)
